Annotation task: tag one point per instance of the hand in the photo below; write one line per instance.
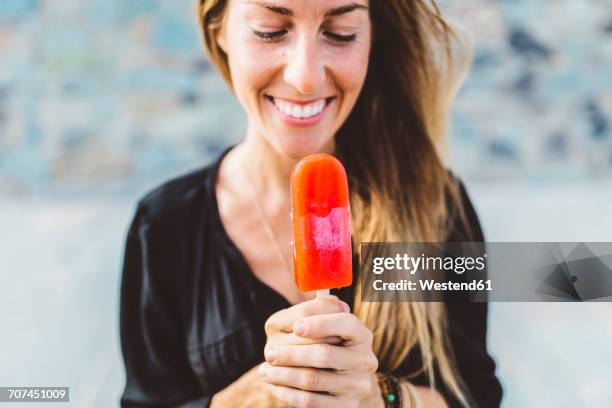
(246, 392)
(320, 355)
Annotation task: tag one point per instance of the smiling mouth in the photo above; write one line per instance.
(300, 110)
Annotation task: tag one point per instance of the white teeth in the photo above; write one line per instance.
(300, 111)
(297, 111)
(307, 111)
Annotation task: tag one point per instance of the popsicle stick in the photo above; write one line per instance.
(323, 294)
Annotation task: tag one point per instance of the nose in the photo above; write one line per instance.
(304, 68)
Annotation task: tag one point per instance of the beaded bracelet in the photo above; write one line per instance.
(390, 391)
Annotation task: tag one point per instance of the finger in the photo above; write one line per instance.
(320, 356)
(282, 321)
(344, 325)
(292, 338)
(312, 379)
(301, 399)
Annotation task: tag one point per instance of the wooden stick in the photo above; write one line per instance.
(323, 294)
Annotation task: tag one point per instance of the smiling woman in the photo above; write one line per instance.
(207, 280)
(298, 68)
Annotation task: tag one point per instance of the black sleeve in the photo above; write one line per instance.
(468, 331)
(158, 373)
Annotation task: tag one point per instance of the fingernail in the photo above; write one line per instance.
(270, 353)
(346, 307)
(299, 328)
(262, 369)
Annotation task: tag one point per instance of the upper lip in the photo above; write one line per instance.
(299, 102)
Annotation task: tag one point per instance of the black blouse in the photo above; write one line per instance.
(192, 312)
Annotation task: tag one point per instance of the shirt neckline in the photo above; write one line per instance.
(228, 244)
(258, 286)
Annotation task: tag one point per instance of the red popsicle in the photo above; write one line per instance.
(321, 222)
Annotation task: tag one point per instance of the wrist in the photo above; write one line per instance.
(374, 400)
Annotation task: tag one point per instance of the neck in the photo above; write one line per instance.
(269, 170)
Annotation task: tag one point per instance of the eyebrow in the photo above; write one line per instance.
(287, 12)
(345, 9)
(272, 7)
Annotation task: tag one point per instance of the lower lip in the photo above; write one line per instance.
(311, 121)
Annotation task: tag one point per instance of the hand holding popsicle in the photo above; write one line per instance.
(319, 355)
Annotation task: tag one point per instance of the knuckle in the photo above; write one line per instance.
(284, 394)
(287, 355)
(324, 355)
(272, 372)
(267, 349)
(360, 387)
(336, 305)
(331, 305)
(356, 322)
(293, 399)
(308, 308)
(339, 307)
(364, 387)
(308, 401)
(270, 326)
(313, 323)
(310, 379)
(372, 364)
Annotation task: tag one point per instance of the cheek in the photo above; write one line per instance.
(248, 76)
(250, 67)
(349, 67)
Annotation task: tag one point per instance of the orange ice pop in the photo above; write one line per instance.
(321, 222)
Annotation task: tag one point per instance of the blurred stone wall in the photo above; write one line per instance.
(98, 95)
(538, 101)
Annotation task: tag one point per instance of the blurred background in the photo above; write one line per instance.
(102, 100)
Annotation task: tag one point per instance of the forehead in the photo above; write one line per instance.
(306, 8)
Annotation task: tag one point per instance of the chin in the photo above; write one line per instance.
(298, 147)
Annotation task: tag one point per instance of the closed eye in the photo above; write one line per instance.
(340, 37)
(274, 35)
(270, 35)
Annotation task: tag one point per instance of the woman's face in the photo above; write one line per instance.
(297, 67)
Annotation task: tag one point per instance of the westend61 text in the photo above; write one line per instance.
(429, 285)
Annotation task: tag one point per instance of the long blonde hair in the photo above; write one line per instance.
(391, 146)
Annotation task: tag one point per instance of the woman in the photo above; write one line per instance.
(207, 279)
